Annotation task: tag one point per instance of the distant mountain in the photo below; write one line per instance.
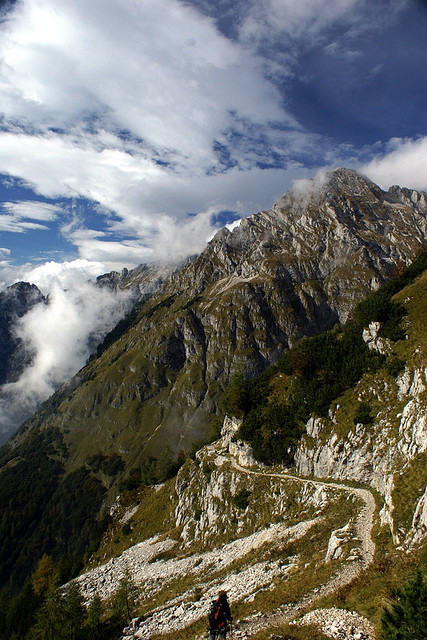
(17, 352)
(143, 281)
(156, 384)
(15, 302)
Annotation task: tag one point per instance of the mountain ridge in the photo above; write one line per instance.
(249, 295)
(176, 338)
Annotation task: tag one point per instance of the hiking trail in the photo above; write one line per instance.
(364, 524)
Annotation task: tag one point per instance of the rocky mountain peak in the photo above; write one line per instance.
(294, 270)
(314, 229)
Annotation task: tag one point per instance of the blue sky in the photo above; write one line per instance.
(129, 130)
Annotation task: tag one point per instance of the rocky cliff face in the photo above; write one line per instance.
(249, 531)
(390, 454)
(379, 455)
(291, 271)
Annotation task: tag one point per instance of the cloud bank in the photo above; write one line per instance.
(404, 162)
(125, 104)
(143, 108)
(60, 334)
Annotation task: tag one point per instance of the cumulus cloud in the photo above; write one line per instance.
(60, 334)
(160, 71)
(127, 104)
(404, 162)
(133, 105)
(72, 274)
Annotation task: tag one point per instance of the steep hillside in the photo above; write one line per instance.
(323, 543)
(292, 271)
(154, 387)
(290, 544)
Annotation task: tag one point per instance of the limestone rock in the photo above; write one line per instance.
(375, 456)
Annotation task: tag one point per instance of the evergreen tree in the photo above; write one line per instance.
(44, 576)
(18, 613)
(50, 623)
(406, 618)
(94, 615)
(125, 598)
(74, 611)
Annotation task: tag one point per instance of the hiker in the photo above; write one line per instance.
(219, 615)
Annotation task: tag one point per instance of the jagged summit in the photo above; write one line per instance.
(315, 228)
(350, 180)
(294, 270)
(156, 387)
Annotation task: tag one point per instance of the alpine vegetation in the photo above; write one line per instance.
(253, 433)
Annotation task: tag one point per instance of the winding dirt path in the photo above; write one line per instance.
(364, 524)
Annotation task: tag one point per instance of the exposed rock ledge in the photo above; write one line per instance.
(242, 451)
(374, 455)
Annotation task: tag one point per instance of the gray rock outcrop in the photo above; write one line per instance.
(376, 455)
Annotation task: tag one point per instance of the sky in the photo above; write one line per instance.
(131, 130)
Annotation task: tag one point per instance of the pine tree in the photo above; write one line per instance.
(74, 611)
(406, 618)
(94, 614)
(44, 576)
(125, 598)
(50, 617)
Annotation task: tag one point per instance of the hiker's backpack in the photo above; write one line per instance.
(217, 616)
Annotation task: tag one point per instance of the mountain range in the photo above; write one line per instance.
(153, 391)
(289, 272)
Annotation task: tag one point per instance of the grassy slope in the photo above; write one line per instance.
(369, 593)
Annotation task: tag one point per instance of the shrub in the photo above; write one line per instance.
(394, 366)
(236, 397)
(363, 414)
(241, 499)
(406, 617)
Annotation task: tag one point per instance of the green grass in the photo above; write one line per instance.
(409, 487)
(370, 592)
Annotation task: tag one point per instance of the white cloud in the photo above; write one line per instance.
(404, 162)
(68, 274)
(233, 225)
(302, 19)
(31, 209)
(110, 253)
(161, 71)
(306, 21)
(123, 102)
(73, 76)
(59, 334)
(140, 192)
(11, 223)
(15, 219)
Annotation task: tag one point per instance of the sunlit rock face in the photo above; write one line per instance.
(292, 271)
(377, 455)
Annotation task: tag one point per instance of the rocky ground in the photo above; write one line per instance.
(340, 624)
(153, 568)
